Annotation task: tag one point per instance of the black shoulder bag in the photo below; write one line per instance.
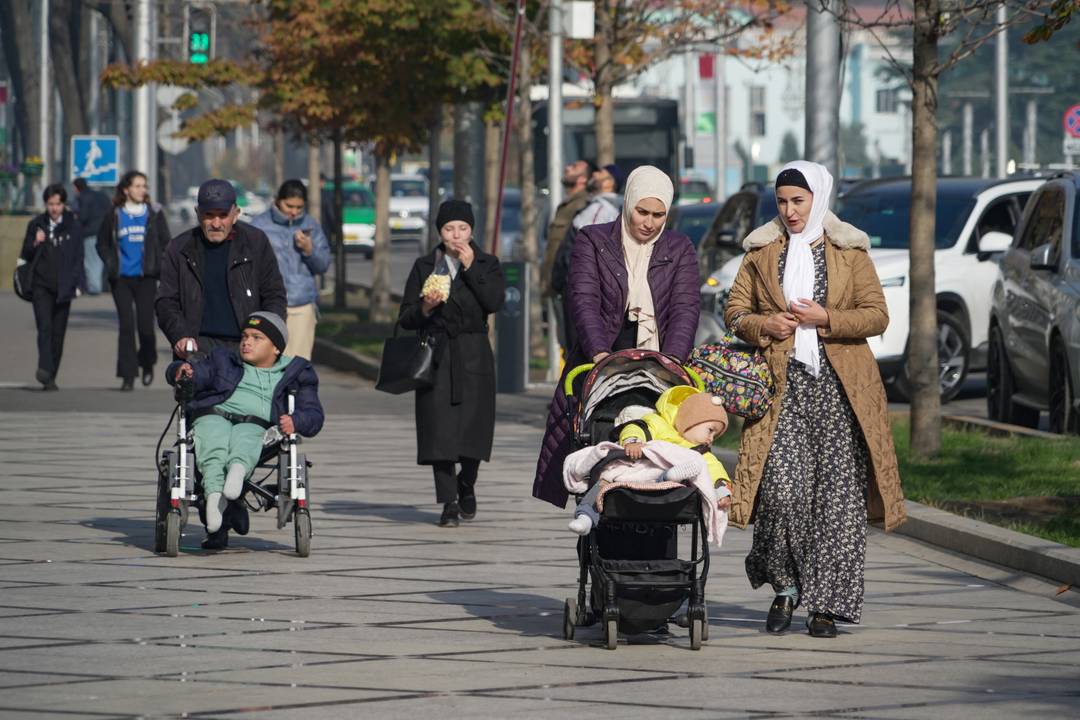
(408, 363)
(23, 279)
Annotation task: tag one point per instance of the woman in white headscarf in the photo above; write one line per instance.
(821, 462)
(633, 284)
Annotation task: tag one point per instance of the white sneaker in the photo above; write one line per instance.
(234, 481)
(215, 508)
(581, 524)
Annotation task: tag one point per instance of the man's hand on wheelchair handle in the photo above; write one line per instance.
(185, 346)
(285, 422)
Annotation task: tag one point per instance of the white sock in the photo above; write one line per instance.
(215, 507)
(234, 481)
(681, 472)
(581, 524)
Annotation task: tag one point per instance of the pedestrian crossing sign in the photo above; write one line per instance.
(96, 158)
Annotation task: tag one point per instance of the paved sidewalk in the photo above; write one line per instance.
(394, 617)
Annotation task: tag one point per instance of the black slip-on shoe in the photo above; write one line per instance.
(128, 384)
(821, 625)
(450, 513)
(780, 614)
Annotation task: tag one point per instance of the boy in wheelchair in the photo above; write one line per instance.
(235, 397)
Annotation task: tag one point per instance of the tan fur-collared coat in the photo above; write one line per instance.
(857, 310)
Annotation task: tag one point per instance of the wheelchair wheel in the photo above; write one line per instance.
(302, 531)
(172, 534)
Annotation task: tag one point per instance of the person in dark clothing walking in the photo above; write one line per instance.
(131, 242)
(91, 206)
(455, 418)
(53, 243)
(215, 275)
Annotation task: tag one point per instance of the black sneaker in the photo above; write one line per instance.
(236, 517)
(450, 512)
(128, 385)
(147, 376)
(43, 376)
(467, 506)
(216, 540)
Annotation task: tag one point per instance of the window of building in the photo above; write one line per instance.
(888, 101)
(757, 111)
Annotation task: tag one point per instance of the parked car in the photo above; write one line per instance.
(694, 220)
(358, 216)
(975, 219)
(408, 206)
(1034, 328)
(752, 206)
(510, 224)
(693, 191)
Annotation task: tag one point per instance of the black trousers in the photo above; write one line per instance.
(450, 487)
(134, 298)
(51, 318)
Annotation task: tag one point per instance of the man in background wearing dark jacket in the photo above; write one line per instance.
(91, 206)
(215, 275)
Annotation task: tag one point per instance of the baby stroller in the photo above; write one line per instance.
(180, 484)
(631, 555)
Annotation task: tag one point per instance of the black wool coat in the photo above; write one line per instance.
(455, 418)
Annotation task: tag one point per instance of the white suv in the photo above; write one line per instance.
(975, 221)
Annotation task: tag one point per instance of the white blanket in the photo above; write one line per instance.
(644, 474)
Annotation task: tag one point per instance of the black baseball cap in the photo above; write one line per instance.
(216, 194)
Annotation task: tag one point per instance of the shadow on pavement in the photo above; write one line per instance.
(397, 513)
(129, 531)
(526, 614)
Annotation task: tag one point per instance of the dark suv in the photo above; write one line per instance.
(1034, 353)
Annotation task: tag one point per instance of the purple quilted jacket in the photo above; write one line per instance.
(597, 291)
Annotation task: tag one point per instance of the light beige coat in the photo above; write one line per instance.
(857, 310)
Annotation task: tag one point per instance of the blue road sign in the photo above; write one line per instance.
(96, 158)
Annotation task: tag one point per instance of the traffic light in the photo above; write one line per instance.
(200, 35)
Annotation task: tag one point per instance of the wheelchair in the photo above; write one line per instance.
(283, 487)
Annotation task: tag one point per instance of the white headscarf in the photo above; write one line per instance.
(799, 267)
(644, 182)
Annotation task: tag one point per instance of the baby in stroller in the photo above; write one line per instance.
(238, 396)
(685, 417)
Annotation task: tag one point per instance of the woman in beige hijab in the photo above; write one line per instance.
(633, 283)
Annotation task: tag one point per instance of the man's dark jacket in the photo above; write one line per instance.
(216, 377)
(93, 206)
(154, 243)
(253, 278)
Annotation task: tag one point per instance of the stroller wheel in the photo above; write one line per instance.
(612, 634)
(696, 631)
(569, 618)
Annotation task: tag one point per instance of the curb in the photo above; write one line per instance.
(333, 355)
(993, 544)
(991, 427)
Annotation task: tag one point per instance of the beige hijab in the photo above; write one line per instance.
(644, 182)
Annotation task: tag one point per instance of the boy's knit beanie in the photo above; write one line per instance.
(271, 325)
(699, 408)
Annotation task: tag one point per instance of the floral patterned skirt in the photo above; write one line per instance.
(810, 526)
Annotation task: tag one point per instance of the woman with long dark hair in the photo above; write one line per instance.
(131, 241)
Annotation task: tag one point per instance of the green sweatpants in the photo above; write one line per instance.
(219, 444)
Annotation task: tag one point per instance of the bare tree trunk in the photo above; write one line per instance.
(604, 122)
(119, 17)
(20, 55)
(434, 178)
(530, 242)
(314, 208)
(279, 158)
(64, 49)
(380, 269)
(922, 344)
(492, 147)
(338, 226)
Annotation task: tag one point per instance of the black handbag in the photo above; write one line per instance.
(408, 363)
(23, 279)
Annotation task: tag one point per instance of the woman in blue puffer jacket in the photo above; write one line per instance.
(302, 253)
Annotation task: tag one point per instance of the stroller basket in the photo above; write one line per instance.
(679, 505)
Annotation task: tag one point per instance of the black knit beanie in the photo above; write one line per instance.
(792, 178)
(271, 325)
(452, 210)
